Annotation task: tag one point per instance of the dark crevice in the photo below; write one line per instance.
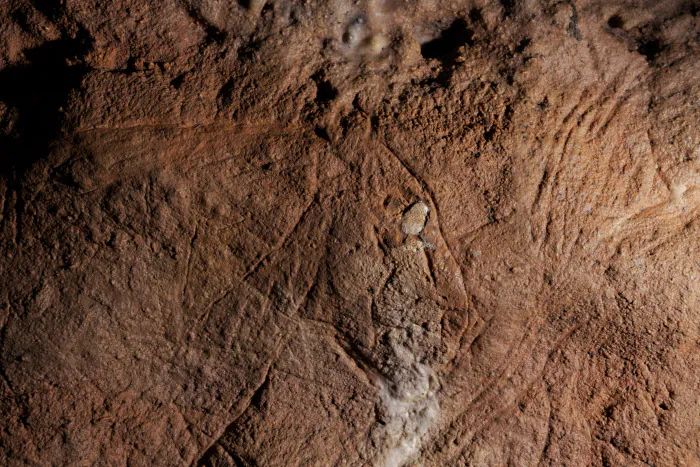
(357, 107)
(257, 399)
(616, 22)
(522, 45)
(178, 81)
(49, 8)
(325, 92)
(36, 91)
(508, 7)
(322, 133)
(20, 17)
(268, 9)
(509, 74)
(225, 96)
(475, 15)
(573, 22)
(446, 48)
(650, 48)
(238, 462)
(249, 50)
(374, 123)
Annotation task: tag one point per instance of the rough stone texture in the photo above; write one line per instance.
(203, 260)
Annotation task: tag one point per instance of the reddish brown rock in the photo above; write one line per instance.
(349, 233)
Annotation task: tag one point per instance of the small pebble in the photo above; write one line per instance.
(415, 218)
(377, 43)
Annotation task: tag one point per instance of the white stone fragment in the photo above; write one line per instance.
(415, 218)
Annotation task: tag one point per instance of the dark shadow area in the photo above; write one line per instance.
(522, 45)
(475, 15)
(37, 90)
(225, 96)
(616, 22)
(650, 48)
(322, 133)
(49, 8)
(446, 48)
(508, 7)
(573, 29)
(325, 92)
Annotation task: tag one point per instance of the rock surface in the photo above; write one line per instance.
(206, 257)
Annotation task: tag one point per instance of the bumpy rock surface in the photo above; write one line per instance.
(378, 232)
